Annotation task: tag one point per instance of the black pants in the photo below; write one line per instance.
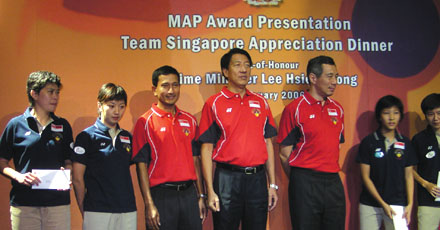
(316, 200)
(243, 198)
(178, 210)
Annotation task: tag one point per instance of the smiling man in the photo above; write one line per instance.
(236, 130)
(167, 159)
(311, 129)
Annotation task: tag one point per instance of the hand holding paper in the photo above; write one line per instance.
(399, 219)
(52, 179)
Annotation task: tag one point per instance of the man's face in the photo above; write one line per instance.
(167, 90)
(238, 72)
(325, 84)
(433, 118)
(112, 112)
(47, 98)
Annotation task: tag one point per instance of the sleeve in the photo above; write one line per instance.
(81, 148)
(141, 146)
(209, 131)
(195, 144)
(412, 155)
(415, 144)
(270, 129)
(6, 141)
(68, 141)
(363, 155)
(342, 136)
(289, 132)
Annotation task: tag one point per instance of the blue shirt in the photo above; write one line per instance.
(107, 177)
(29, 150)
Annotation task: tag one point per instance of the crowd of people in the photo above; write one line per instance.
(224, 163)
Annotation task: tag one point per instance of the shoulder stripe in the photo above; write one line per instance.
(214, 108)
(147, 128)
(297, 118)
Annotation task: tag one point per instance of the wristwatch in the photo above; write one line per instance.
(203, 196)
(273, 186)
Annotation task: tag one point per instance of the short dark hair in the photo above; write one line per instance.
(315, 65)
(38, 80)
(386, 102)
(110, 92)
(430, 102)
(226, 58)
(163, 70)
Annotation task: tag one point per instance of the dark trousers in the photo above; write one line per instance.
(243, 198)
(178, 210)
(316, 200)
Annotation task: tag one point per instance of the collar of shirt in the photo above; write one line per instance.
(162, 113)
(311, 100)
(34, 123)
(103, 127)
(228, 94)
(378, 135)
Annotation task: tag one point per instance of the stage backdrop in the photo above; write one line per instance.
(380, 47)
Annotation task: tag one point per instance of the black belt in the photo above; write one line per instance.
(177, 186)
(246, 170)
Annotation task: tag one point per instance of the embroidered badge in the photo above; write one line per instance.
(124, 139)
(56, 128)
(335, 120)
(186, 131)
(256, 112)
(378, 153)
(57, 136)
(254, 104)
(127, 147)
(430, 154)
(398, 153)
(79, 150)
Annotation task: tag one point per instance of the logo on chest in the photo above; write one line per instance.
(378, 153)
(430, 154)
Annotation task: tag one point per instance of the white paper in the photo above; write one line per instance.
(438, 185)
(52, 179)
(398, 220)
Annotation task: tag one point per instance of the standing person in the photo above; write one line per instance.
(427, 147)
(37, 140)
(236, 130)
(101, 167)
(311, 130)
(386, 159)
(168, 159)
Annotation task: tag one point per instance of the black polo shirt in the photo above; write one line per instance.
(107, 177)
(387, 168)
(29, 150)
(428, 153)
